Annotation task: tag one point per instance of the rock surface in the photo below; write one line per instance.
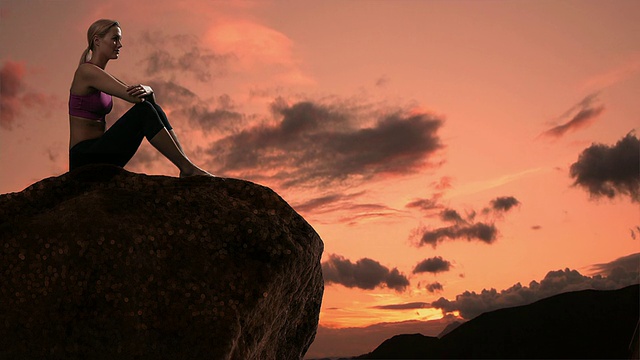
(102, 263)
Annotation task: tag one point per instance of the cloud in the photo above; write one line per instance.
(433, 287)
(183, 104)
(316, 144)
(345, 206)
(629, 263)
(610, 170)
(364, 274)
(182, 54)
(407, 306)
(486, 233)
(582, 114)
(426, 204)
(432, 203)
(451, 215)
(504, 203)
(11, 79)
(467, 227)
(471, 304)
(16, 97)
(432, 265)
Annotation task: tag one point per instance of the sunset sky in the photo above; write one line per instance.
(439, 148)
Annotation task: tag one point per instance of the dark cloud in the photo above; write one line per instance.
(467, 227)
(364, 274)
(433, 287)
(586, 113)
(432, 265)
(629, 263)
(486, 233)
(314, 144)
(220, 119)
(181, 54)
(16, 97)
(173, 95)
(504, 203)
(218, 114)
(610, 170)
(451, 215)
(471, 304)
(407, 306)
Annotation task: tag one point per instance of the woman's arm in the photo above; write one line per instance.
(99, 79)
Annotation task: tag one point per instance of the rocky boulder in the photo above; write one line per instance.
(101, 263)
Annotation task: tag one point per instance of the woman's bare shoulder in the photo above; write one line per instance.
(85, 77)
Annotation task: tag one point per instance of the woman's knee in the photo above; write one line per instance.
(145, 107)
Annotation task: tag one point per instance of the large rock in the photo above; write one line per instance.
(101, 263)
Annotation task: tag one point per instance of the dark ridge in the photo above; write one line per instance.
(586, 324)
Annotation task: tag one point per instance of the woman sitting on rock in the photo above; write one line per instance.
(90, 101)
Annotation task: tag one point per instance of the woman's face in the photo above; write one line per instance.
(109, 45)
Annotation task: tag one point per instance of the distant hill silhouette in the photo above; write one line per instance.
(452, 326)
(582, 324)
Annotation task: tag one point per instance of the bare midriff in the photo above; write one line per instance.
(82, 129)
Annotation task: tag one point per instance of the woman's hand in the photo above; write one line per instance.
(140, 91)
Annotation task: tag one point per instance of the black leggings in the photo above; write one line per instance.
(118, 144)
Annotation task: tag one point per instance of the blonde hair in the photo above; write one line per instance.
(99, 28)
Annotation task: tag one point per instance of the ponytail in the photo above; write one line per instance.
(83, 58)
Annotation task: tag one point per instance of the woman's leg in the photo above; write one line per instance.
(118, 144)
(167, 143)
(167, 125)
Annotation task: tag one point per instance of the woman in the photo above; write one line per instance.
(90, 100)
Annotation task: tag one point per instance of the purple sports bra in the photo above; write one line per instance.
(92, 106)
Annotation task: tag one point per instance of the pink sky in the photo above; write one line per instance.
(439, 133)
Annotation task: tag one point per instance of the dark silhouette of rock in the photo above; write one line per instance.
(585, 324)
(405, 346)
(101, 263)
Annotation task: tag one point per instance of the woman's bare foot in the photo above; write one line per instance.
(195, 171)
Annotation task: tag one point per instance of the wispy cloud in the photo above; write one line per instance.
(364, 274)
(406, 306)
(326, 203)
(614, 75)
(429, 205)
(580, 115)
(182, 53)
(610, 170)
